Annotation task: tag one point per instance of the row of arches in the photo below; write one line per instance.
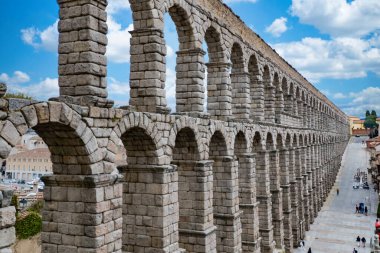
(200, 186)
(246, 79)
(241, 83)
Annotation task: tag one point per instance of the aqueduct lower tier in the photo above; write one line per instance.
(188, 185)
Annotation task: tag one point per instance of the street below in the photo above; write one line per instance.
(337, 226)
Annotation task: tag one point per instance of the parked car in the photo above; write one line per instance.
(355, 185)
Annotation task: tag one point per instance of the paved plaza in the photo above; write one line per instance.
(337, 226)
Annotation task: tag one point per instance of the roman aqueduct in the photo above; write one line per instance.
(249, 174)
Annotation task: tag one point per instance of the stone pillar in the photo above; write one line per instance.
(265, 201)
(300, 108)
(148, 71)
(248, 204)
(294, 198)
(279, 107)
(226, 205)
(318, 179)
(257, 97)
(241, 101)
(82, 46)
(315, 198)
(219, 90)
(150, 208)
(276, 191)
(286, 200)
(306, 186)
(197, 232)
(310, 117)
(295, 106)
(301, 187)
(269, 104)
(288, 104)
(190, 81)
(306, 117)
(309, 212)
(7, 221)
(82, 214)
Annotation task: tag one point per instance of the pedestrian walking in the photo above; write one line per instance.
(337, 191)
(358, 241)
(355, 251)
(366, 210)
(309, 251)
(357, 209)
(363, 241)
(302, 245)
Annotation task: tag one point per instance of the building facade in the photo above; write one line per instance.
(29, 164)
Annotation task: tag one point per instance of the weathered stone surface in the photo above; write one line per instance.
(7, 236)
(7, 216)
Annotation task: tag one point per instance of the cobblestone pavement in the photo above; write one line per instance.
(337, 226)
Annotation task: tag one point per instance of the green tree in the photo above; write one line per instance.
(370, 120)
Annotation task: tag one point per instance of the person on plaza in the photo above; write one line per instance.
(337, 191)
(358, 241)
(366, 210)
(357, 209)
(309, 251)
(301, 245)
(355, 251)
(363, 241)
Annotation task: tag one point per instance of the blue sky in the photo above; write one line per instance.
(334, 44)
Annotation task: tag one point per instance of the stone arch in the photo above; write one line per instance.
(218, 76)
(279, 97)
(269, 95)
(297, 104)
(191, 124)
(189, 65)
(183, 22)
(192, 217)
(247, 191)
(257, 142)
(68, 138)
(77, 162)
(144, 128)
(287, 93)
(240, 84)
(256, 89)
(269, 142)
(225, 199)
(212, 37)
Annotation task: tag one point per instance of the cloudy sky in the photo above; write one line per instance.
(334, 44)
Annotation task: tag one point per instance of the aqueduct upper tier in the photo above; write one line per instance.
(249, 174)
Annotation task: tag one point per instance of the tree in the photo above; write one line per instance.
(373, 114)
(367, 114)
(370, 119)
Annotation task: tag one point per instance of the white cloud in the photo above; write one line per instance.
(339, 95)
(116, 87)
(339, 17)
(278, 27)
(46, 39)
(170, 51)
(17, 78)
(118, 41)
(367, 99)
(43, 90)
(340, 58)
(115, 6)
